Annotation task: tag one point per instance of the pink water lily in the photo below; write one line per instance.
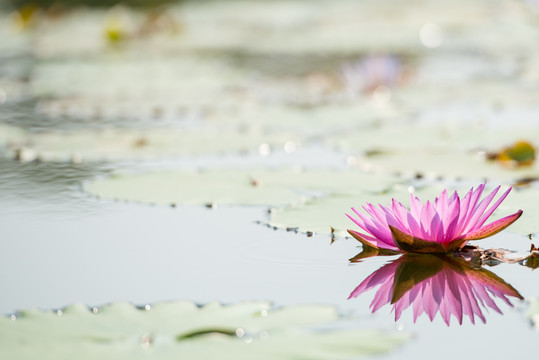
(442, 226)
(434, 284)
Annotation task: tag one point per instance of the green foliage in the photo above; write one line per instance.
(183, 330)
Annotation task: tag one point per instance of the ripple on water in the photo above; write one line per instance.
(45, 187)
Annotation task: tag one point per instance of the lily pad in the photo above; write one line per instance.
(440, 137)
(311, 122)
(236, 187)
(184, 330)
(286, 27)
(327, 215)
(323, 215)
(319, 216)
(122, 144)
(454, 165)
(183, 81)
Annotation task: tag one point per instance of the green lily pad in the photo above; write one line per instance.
(453, 165)
(313, 121)
(278, 27)
(101, 82)
(122, 144)
(291, 26)
(323, 215)
(251, 330)
(439, 139)
(236, 187)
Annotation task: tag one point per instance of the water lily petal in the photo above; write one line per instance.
(361, 222)
(379, 231)
(451, 221)
(372, 241)
(464, 207)
(479, 210)
(472, 207)
(415, 206)
(489, 212)
(493, 228)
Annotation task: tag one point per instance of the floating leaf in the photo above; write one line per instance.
(321, 215)
(251, 330)
(452, 165)
(139, 144)
(521, 153)
(234, 187)
(437, 151)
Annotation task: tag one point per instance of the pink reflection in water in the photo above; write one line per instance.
(436, 283)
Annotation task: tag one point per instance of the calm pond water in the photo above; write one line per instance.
(62, 246)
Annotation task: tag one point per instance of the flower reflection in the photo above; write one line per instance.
(436, 283)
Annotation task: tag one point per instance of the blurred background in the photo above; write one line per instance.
(283, 72)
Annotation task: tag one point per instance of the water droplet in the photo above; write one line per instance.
(431, 35)
(411, 189)
(399, 326)
(381, 94)
(264, 313)
(290, 147)
(211, 206)
(95, 310)
(25, 154)
(264, 149)
(240, 332)
(157, 112)
(147, 307)
(255, 182)
(351, 161)
(59, 312)
(145, 341)
(248, 340)
(76, 158)
(13, 317)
